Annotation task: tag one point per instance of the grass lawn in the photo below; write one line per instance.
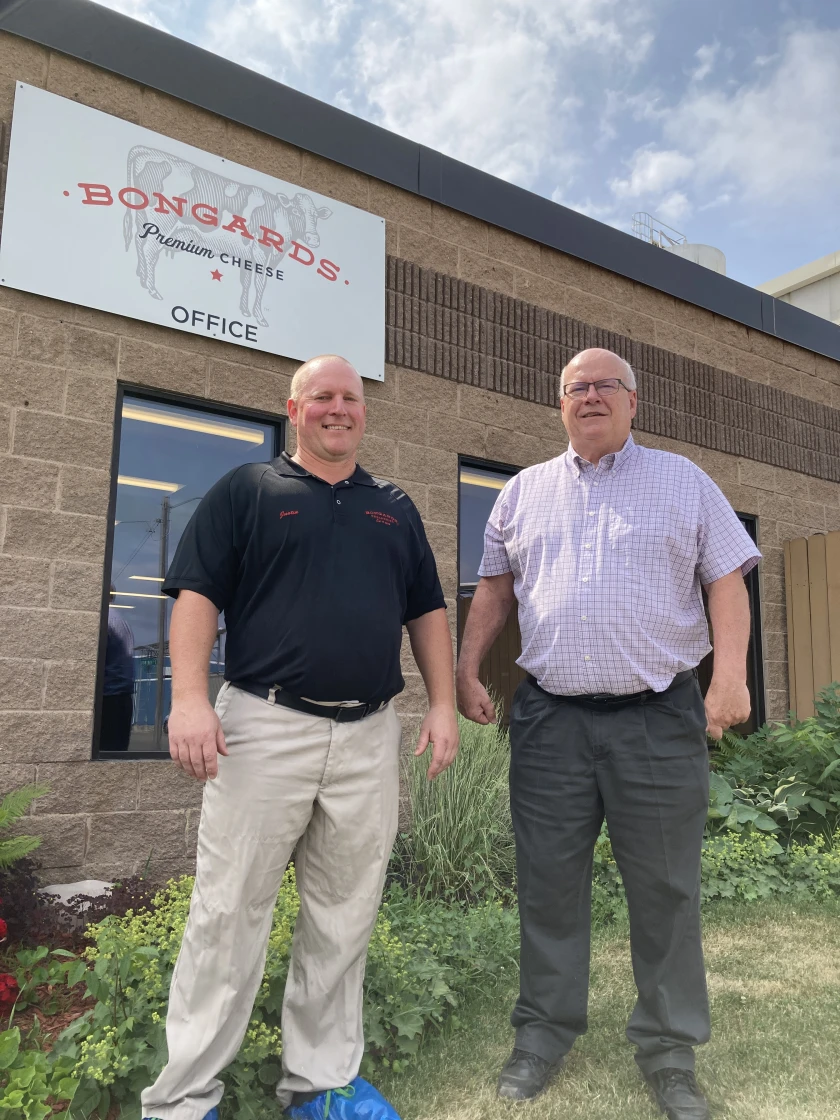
(774, 983)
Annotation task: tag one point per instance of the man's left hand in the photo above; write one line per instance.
(440, 728)
(727, 704)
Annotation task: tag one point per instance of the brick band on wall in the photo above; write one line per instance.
(454, 329)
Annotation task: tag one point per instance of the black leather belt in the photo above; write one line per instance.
(342, 713)
(609, 701)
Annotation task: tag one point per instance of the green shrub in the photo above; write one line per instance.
(461, 841)
(754, 866)
(609, 901)
(424, 957)
(746, 866)
(790, 771)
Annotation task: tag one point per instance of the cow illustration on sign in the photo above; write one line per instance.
(197, 204)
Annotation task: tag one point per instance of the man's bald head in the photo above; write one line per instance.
(316, 365)
(609, 365)
(327, 410)
(599, 412)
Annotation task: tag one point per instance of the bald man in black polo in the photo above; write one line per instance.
(317, 566)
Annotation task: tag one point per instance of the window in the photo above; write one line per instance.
(755, 657)
(478, 488)
(167, 457)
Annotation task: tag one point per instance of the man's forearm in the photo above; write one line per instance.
(192, 633)
(489, 609)
(431, 644)
(729, 610)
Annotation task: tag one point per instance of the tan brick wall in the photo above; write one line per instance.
(59, 367)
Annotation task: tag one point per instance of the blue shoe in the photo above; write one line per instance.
(356, 1101)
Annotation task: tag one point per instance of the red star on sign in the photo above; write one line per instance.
(216, 274)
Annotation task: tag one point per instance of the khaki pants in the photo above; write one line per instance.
(290, 779)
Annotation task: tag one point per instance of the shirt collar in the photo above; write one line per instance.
(285, 465)
(612, 462)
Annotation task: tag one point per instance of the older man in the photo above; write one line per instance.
(606, 549)
(317, 566)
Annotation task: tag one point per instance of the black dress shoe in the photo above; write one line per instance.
(678, 1095)
(524, 1076)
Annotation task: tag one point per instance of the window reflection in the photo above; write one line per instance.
(170, 455)
(479, 488)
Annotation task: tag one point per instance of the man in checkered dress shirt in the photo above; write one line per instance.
(606, 549)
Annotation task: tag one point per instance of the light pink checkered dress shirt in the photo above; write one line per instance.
(608, 563)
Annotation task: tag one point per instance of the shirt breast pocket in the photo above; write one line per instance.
(638, 553)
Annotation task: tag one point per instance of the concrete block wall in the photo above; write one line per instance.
(59, 368)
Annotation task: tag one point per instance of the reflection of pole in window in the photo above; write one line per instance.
(161, 642)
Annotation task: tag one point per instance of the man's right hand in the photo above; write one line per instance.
(473, 699)
(196, 737)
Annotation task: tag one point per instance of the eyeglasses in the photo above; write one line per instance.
(606, 388)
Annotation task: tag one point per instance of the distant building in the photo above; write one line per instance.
(814, 287)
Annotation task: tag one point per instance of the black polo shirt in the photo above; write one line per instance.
(316, 580)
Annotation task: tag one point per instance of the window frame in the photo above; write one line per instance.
(756, 652)
(471, 461)
(279, 425)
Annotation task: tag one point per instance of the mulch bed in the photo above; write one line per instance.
(71, 1004)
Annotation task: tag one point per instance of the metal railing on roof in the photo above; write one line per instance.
(650, 229)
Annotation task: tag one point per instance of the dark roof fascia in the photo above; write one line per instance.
(125, 46)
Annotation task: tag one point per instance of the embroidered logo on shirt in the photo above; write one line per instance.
(381, 518)
(289, 512)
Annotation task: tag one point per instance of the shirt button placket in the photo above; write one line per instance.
(587, 565)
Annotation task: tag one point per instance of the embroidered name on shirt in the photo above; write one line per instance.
(381, 518)
(289, 512)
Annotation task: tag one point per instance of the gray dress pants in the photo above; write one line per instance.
(645, 768)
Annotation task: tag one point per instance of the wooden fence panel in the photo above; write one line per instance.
(832, 567)
(812, 592)
(818, 587)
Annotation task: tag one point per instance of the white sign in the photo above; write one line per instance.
(104, 213)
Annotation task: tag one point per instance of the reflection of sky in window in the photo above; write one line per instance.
(479, 489)
(192, 460)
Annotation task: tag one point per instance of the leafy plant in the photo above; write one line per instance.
(30, 1080)
(739, 808)
(754, 866)
(12, 808)
(460, 845)
(424, 956)
(791, 771)
(609, 901)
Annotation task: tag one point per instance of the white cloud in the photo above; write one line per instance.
(673, 207)
(778, 137)
(768, 143)
(497, 86)
(284, 32)
(651, 172)
(500, 86)
(706, 57)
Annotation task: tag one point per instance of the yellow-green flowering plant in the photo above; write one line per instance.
(424, 956)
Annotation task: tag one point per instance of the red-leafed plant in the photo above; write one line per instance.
(9, 992)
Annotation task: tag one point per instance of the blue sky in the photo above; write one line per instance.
(720, 117)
